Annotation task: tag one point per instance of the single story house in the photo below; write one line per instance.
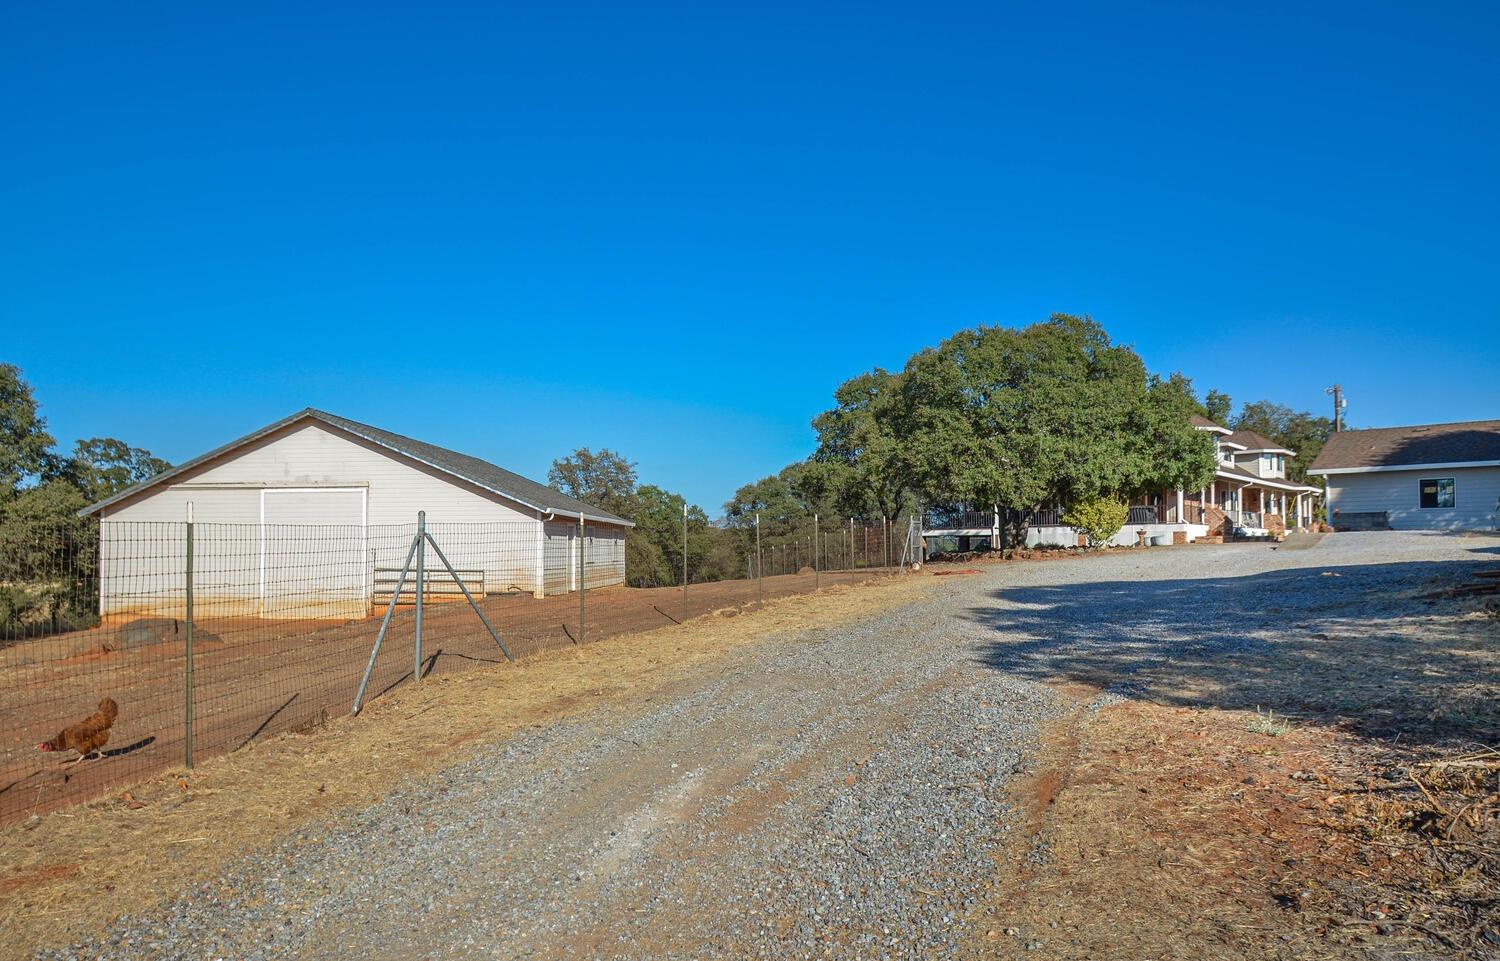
(1424, 477)
(314, 515)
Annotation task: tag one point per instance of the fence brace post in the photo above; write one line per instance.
(416, 673)
(472, 603)
(187, 706)
(385, 623)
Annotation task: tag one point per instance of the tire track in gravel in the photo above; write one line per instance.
(833, 791)
(632, 834)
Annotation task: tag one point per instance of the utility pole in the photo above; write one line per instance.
(1338, 406)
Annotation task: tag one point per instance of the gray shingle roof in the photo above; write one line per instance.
(1280, 483)
(481, 473)
(1392, 447)
(1250, 440)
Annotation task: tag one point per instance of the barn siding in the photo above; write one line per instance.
(604, 556)
(476, 529)
(1476, 496)
(559, 557)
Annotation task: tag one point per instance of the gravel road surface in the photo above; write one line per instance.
(830, 793)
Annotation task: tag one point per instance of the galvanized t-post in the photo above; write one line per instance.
(582, 550)
(421, 590)
(817, 575)
(760, 571)
(187, 707)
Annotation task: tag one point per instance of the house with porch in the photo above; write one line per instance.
(1249, 496)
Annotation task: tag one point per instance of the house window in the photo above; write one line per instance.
(1436, 492)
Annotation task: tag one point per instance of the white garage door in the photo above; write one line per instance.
(314, 552)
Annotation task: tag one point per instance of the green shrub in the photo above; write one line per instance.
(16, 606)
(1098, 519)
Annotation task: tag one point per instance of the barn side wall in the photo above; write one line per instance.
(141, 562)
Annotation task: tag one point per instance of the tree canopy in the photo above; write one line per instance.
(1019, 417)
(102, 467)
(98, 467)
(604, 479)
(48, 552)
(25, 445)
(654, 547)
(1216, 407)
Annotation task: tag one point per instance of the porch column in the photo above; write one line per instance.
(1179, 506)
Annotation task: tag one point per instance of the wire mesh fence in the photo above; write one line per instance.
(209, 636)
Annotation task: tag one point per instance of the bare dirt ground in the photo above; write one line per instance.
(254, 678)
(1038, 759)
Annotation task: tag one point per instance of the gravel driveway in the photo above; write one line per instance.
(829, 793)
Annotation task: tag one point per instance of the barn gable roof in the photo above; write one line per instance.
(478, 472)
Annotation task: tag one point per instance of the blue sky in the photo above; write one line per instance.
(673, 231)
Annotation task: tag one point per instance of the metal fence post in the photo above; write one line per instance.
(684, 559)
(582, 551)
(760, 571)
(187, 707)
(421, 590)
(817, 575)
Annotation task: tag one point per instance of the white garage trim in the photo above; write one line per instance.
(1453, 465)
(364, 519)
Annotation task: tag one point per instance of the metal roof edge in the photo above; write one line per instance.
(347, 427)
(192, 462)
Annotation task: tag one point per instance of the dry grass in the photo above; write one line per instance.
(1160, 832)
(68, 873)
(1314, 844)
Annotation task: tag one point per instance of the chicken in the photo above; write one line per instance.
(88, 735)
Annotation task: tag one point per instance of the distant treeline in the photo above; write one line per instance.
(1053, 413)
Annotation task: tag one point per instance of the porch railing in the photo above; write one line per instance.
(1141, 514)
(1246, 518)
(961, 520)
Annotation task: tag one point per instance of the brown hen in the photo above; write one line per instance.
(88, 735)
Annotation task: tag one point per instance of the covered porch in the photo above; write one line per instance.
(1257, 507)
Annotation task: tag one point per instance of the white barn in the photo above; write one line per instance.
(317, 510)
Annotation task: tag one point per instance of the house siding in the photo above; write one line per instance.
(1476, 491)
